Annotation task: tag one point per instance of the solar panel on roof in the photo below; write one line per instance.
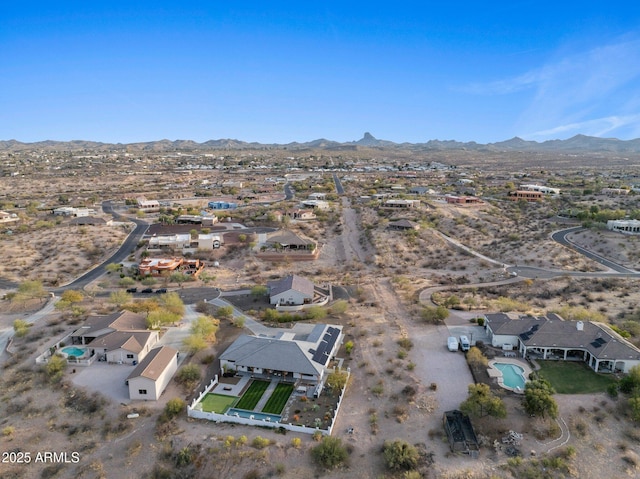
(596, 344)
(535, 327)
(326, 345)
(600, 341)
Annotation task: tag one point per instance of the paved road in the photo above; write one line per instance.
(338, 183)
(123, 252)
(288, 192)
(561, 237)
(7, 333)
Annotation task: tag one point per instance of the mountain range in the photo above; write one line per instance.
(578, 143)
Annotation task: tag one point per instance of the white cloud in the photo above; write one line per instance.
(601, 127)
(593, 92)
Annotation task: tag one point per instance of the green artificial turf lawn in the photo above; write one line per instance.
(217, 403)
(251, 397)
(568, 377)
(278, 399)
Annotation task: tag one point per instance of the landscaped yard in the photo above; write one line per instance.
(278, 399)
(217, 403)
(253, 394)
(574, 377)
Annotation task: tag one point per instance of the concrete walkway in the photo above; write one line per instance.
(267, 394)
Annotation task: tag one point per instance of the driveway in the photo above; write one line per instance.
(108, 379)
(436, 364)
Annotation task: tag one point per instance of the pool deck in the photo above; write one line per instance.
(496, 373)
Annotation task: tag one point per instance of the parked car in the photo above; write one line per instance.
(161, 290)
(147, 291)
(132, 290)
(464, 343)
(452, 343)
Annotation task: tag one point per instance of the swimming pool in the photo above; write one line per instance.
(74, 352)
(258, 416)
(512, 375)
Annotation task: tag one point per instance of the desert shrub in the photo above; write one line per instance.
(174, 407)
(400, 455)
(296, 442)
(188, 375)
(348, 347)
(330, 453)
(405, 343)
(260, 442)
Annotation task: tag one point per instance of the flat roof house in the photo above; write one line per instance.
(152, 375)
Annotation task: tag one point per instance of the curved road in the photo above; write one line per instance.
(120, 255)
(561, 237)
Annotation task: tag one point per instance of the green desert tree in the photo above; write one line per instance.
(482, 402)
(72, 296)
(475, 358)
(194, 343)
(161, 317)
(259, 290)
(172, 302)
(28, 290)
(119, 298)
(205, 327)
(337, 379)
(538, 399)
(21, 327)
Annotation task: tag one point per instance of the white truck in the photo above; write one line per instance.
(464, 343)
(452, 343)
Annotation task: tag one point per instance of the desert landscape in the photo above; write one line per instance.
(390, 266)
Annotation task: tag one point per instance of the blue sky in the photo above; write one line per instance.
(126, 71)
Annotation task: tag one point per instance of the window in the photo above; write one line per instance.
(142, 391)
(129, 356)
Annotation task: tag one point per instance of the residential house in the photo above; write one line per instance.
(463, 200)
(71, 211)
(8, 217)
(161, 266)
(421, 190)
(152, 375)
(120, 337)
(146, 205)
(124, 347)
(401, 204)
(545, 190)
(87, 221)
(291, 290)
(551, 337)
(286, 240)
(315, 204)
(403, 225)
(97, 326)
(300, 354)
(528, 196)
(624, 226)
(300, 214)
